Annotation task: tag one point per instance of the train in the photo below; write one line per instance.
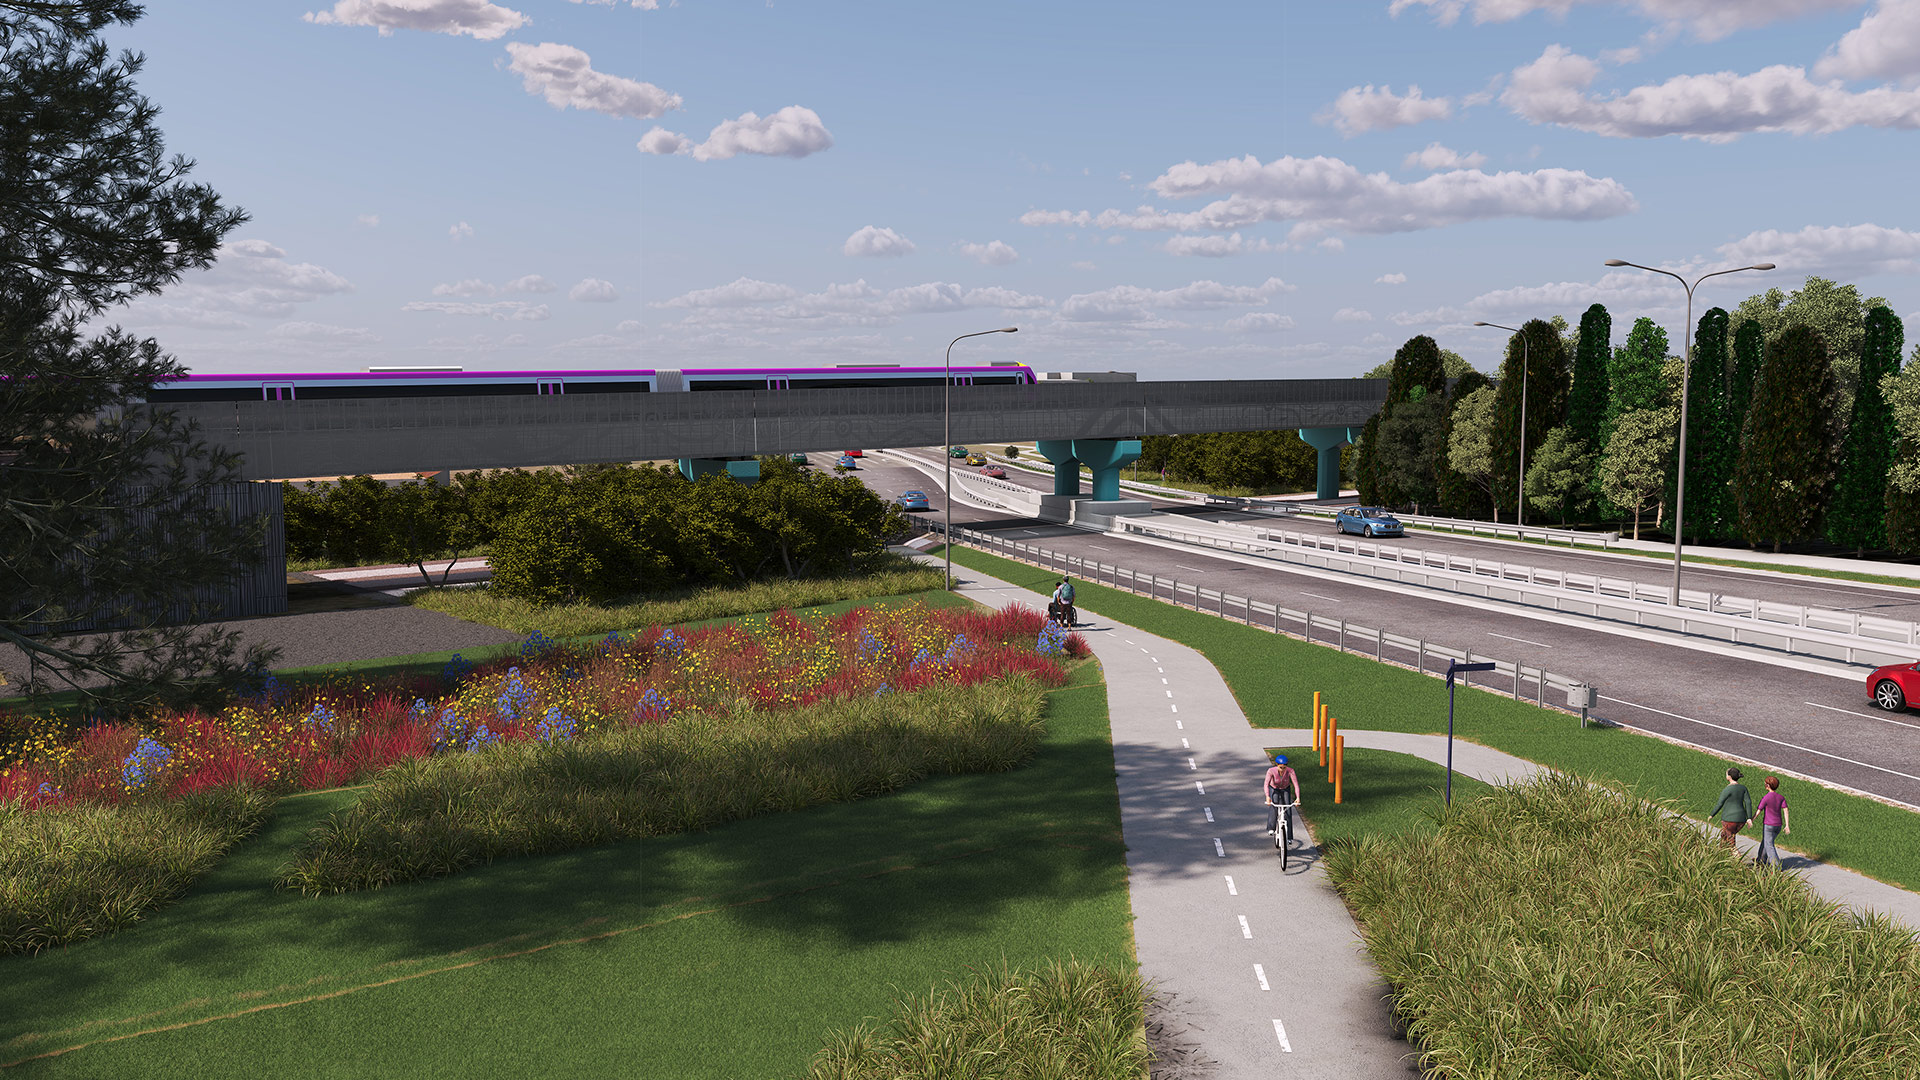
(392, 382)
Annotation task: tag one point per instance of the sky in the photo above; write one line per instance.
(1206, 190)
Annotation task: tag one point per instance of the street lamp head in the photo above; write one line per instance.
(1483, 324)
(1015, 329)
(1761, 266)
(1617, 262)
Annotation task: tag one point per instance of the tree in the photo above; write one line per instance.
(1709, 446)
(1902, 391)
(1858, 516)
(1786, 471)
(1749, 354)
(1470, 447)
(1417, 364)
(1546, 390)
(1405, 458)
(1588, 400)
(1836, 312)
(1457, 495)
(1559, 474)
(1364, 479)
(108, 515)
(1452, 362)
(1634, 374)
(1634, 462)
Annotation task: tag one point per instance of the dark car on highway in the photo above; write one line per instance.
(1368, 521)
(1891, 687)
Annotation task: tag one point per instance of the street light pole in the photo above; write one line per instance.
(1520, 496)
(946, 447)
(1686, 375)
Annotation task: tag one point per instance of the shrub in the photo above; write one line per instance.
(1066, 1020)
(76, 872)
(1558, 929)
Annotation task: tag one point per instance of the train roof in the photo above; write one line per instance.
(571, 373)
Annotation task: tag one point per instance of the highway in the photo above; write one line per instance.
(1814, 724)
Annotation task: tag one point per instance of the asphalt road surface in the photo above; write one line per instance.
(1813, 724)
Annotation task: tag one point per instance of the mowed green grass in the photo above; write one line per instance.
(730, 953)
(1274, 677)
(1382, 793)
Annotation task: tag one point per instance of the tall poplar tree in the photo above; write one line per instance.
(1749, 355)
(1546, 390)
(1858, 517)
(1587, 402)
(1786, 471)
(1416, 363)
(1710, 459)
(1459, 496)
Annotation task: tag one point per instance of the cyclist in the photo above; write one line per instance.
(1282, 788)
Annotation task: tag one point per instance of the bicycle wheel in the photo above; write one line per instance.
(1284, 841)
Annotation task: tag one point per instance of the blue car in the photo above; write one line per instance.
(1368, 521)
(846, 462)
(913, 500)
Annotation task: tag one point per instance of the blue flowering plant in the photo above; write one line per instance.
(143, 768)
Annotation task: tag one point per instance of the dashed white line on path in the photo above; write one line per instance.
(1184, 745)
(1521, 640)
(1245, 930)
(1169, 693)
(1175, 708)
(1317, 596)
(1191, 767)
(1195, 569)
(1261, 974)
(1177, 723)
(1218, 848)
(1198, 786)
(1280, 1030)
(1209, 811)
(1231, 891)
(1163, 680)
(1861, 715)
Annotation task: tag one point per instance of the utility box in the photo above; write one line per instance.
(1581, 696)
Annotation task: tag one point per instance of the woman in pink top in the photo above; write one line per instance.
(1773, 821)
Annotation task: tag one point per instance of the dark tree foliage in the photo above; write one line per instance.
(1749, 354)
(1365, 479)
(1458, 496)
(106, 513)
(1710, 456)
(1546, 405)
(1262, 461)
(1785, 476)
(1587, 401)
(1404, 461)
(1858, 516)
(1416, 364)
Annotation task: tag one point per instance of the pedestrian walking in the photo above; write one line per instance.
(1735, 807)
(1773, 821)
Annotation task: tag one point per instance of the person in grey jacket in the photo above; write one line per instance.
(1735, 807)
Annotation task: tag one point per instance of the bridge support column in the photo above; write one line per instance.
(1328, 440)
(1066, 467)
(1106, 457)
(745, 470)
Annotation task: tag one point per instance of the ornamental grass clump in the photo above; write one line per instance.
(1070, 1020)
(1559, 929)
(694, 771)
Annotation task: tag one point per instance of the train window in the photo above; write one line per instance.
(276, 391)
(775, 382)
(552, 386)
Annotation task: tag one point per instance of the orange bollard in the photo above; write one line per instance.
(1316, 720)
(1339, 764)
(1327, 740)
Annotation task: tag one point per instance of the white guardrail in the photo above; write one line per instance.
(1428, 657)
(1859, 640)
(1570, 537)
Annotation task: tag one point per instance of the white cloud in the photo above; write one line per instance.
(992, 253)
(474, 18)
(1325, 193)
(1716, 107)
(368, 221)
(1391, 279)
(1436, 157)
(661, 141)
(1216, 246)
(250, 278)
(1860, 249)
(1619, 290)
(459, 231)
(1084, 264)
(1709, 20)
(871, 240)
(1131, 303)
(516, 310)
(794, 131)
(593, 291)
(1364, 108)
(564, 75)
(1332, 243)
(325, 333)
(1258, 322)
(737, 293)
(629, 326)
(1353, 315)
(532, 283)
(1886, 45)
(643, 5)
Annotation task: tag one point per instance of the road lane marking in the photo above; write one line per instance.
(1649, 708)
(1861, 715)
(1245, 930)
(1175, 708)
(1180, 725)
(1163, 680)
(1169, 693)
(1191, 767)
(1199, 787)
(1779, 742)
(1317, 596)
(1195, 569)
(1184, 745)
(1218, 849)
(1521, 640)
(1209, 811)
(1261, 974)
(1231, 891)
(1151, 657)
(1281, 1031)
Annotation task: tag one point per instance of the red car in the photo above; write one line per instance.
(1891, 687)
(994, 471)
(855, 453)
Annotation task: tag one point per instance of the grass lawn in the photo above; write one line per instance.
(1382, 793)
(1274, 677)
(729, 953)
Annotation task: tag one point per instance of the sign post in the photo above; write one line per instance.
(1455, 667)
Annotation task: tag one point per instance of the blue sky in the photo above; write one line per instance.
(1204, 190)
